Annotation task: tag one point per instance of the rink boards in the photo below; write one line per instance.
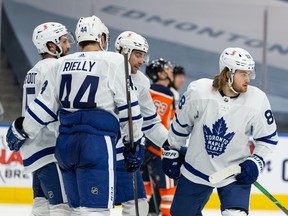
(15, 186)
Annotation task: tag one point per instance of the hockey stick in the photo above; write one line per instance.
(224, 174)
(236, 169)
(128, 96)
(153, 191)
(269, 196)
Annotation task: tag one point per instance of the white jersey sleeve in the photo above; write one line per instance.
(38, 151)
(152, 127)
(93, 80)
(263, 123)
(183, 120)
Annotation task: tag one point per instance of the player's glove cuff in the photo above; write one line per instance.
(258, 161)
(172, 160)
(250, 169)
(15, 136)
(133, 156)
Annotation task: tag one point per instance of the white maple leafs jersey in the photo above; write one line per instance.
(84, 80)
(219, 129)
(152, 127)
(39, 151)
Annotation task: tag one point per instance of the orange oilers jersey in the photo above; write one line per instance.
(163, 100)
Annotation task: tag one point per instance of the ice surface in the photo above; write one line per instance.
(24, 210)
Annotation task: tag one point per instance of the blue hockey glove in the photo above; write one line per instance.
(250, 169)
(133, 157)
(172, 161)
(15, 137)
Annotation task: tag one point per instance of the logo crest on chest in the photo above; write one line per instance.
(217, 138)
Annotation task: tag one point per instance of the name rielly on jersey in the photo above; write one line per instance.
(79, 66)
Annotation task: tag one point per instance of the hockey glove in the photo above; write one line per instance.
(250, 169)
(133, 157)
(172, 161)
(15, 136)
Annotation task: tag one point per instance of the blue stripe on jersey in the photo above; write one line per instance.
(178, 133)
(35, 117)
(196, 172)
(133, 118)
(150, 117)
(147, 127)
(182, 125)
(120, 150)
(267, 139)
(38, 155)
(135, 103)
(43, 106)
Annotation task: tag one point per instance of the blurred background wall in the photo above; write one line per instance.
(191, 33)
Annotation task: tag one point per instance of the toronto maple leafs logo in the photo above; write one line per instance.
(217, 140)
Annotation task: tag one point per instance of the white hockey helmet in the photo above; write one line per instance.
(105, 31)
(237, 59)
(48, 32)
(91, 29)
(129, 41)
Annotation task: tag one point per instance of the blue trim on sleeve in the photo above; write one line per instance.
(150, 117)
(182, 125)
(267, 139)
(147, 127)
(133, 118)
(135, 103)
(35, 117)
(178, 133)
(120, 150)
(43, 106)
(36, 156)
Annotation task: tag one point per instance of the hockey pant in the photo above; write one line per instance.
(48, 190)
(85, 150)
(125, 191)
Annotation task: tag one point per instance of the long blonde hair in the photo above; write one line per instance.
(220, 80)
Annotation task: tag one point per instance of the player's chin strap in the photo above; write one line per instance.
(230, 83)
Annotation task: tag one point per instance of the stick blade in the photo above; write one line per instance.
(224, 173)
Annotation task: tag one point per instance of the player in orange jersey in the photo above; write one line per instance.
(160, 71)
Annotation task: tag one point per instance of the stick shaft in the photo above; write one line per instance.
(130, 121)
(269, 196)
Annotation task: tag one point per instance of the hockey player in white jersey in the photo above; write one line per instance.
(83, 90)
(137, 48)
(52, 40)
(218, 114)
